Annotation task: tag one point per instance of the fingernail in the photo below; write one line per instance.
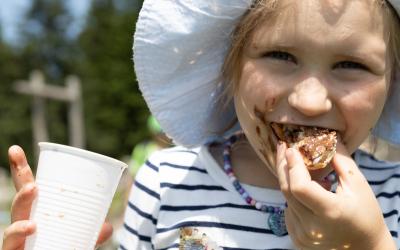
(290, 156)
(29, 225)
(12, 151)
(13, 163)
(289, 152)
(30, 187)
(280, 145)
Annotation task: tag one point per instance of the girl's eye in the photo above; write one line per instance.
(350, 65)
(280, 55)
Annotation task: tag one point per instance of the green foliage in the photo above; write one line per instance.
(44, 35)
(15, 126)
(115, 113)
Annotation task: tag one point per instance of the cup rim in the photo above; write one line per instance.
(81, 152)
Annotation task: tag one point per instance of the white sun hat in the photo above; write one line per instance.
(179, 49)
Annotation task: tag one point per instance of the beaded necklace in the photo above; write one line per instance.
(276, 219)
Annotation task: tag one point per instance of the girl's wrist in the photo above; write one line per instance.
(386, 242)
(383, 241)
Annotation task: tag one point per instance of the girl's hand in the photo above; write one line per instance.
(21, 227)
(319, 219)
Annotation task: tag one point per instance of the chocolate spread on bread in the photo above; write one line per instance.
(317, 145)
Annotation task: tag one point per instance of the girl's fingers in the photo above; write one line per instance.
(22, 203)
(16, 233)
(20, 170)
(281, 167)
(105, 233)
(283, 177)
(345, 167)
(305, 190)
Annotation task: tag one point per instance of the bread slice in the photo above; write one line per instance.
(317, 145)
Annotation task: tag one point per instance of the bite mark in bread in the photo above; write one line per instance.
(316, 145)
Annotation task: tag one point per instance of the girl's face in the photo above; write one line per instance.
(320, 63)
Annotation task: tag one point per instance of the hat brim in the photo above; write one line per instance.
(179, 48)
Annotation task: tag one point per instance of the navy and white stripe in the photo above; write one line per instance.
(179, 188)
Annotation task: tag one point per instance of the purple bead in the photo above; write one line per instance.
(226, 158)
(229, 171)
(331, 178)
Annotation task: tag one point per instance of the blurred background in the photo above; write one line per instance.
(90, 40)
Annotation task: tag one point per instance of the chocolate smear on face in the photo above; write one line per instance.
(260, 115)
(264, 134)
(258, 131)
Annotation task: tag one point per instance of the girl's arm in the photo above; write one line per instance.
(319, 219)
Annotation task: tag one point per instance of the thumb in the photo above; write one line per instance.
(345, 167)
(105, 233)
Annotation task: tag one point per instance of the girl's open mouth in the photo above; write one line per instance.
(317, 145)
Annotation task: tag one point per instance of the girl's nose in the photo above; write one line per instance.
(310, 97)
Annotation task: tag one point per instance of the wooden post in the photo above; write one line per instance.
(75, 113)
(36, 83)
(41, 91)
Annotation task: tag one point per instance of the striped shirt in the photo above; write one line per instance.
(182, 199)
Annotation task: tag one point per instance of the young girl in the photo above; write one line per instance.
(321, 63)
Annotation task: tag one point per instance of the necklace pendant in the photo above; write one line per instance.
(276, 222)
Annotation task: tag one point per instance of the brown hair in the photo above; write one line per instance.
(259, 12)
(263, 10)
(392, 22)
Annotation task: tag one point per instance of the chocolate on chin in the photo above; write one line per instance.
(317, 145)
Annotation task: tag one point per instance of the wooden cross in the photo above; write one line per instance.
(41, 91)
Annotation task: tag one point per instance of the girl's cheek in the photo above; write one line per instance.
(254, 123)
(264, 137)
(267, 147)
(361, 112)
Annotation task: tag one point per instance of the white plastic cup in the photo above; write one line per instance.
(75, 190)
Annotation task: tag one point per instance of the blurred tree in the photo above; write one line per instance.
(45, 39)
(47, 47)
(44, 45)
(115, 111)
(14, 109)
